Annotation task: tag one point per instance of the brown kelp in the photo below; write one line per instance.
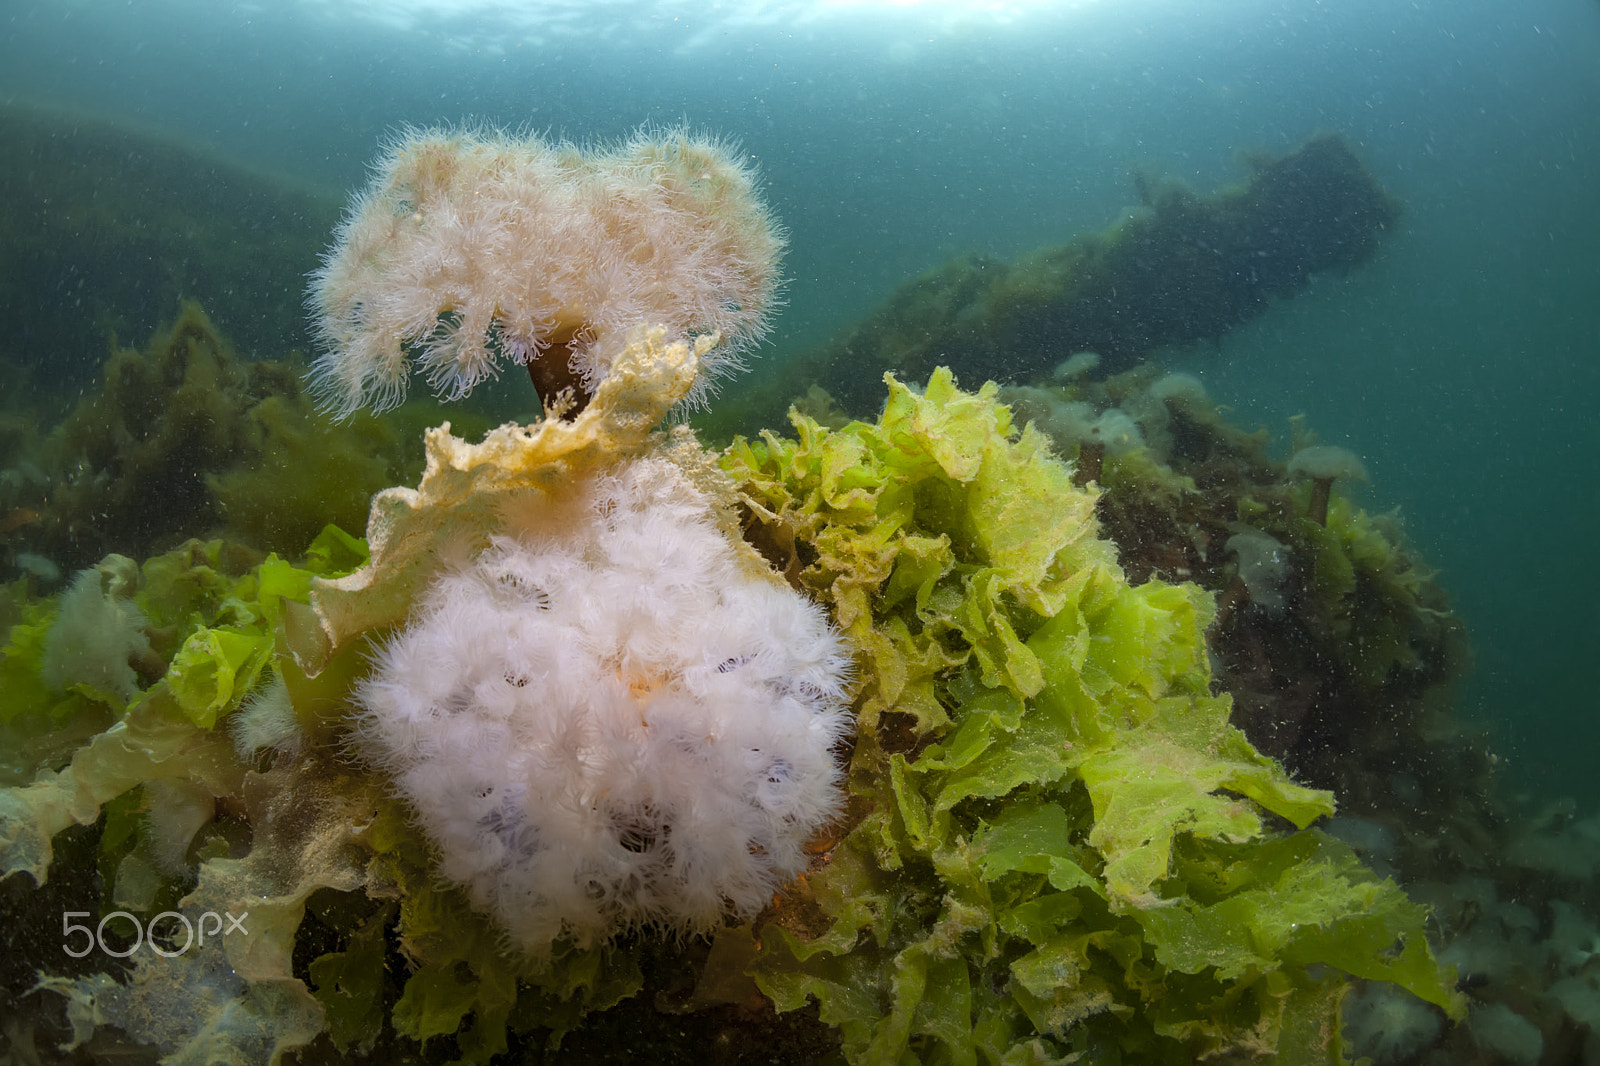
(185, 438)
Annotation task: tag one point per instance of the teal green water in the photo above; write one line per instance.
(1462, 364)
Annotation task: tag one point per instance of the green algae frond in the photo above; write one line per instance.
(1056, 842)
(1061, 845)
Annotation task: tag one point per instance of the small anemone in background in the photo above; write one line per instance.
(98, 632)
(1390, 1025)
(265, 725)
(1324, 464)
(1264, 567)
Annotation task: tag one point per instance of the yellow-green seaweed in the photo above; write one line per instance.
(1056, 843)
(1063, 846)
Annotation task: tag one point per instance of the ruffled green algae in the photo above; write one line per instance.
(1062, 845)
(1333, 638)
(1056, 842)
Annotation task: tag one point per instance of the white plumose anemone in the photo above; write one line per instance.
(613, 721)
(472, 248)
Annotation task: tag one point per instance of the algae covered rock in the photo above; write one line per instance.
(1182, 267)
(1334, 639)
(454, 791)
(1054, 840)
(186, 438)
(1061, 845)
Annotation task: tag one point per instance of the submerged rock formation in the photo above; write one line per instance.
(1182, 268)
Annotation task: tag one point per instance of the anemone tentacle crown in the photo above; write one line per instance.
(610, 720)
(473, 248)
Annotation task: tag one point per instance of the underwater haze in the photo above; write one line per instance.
(1461, 364)
(1460, 361)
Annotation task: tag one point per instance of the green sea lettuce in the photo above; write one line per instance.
(188, 823)
(158, 775)
(1057, 842)
(215, 623)
(1061, 844)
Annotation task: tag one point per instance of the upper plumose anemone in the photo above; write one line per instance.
(470, 247)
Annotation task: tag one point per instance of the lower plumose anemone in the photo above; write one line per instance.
(471, 248)
(613, 720)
